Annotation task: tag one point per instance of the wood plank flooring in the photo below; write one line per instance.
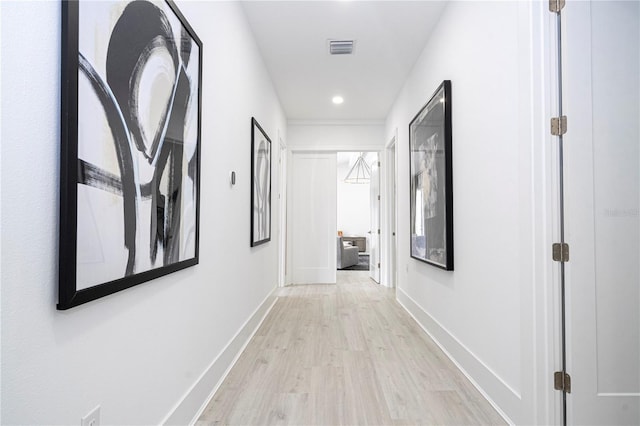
(344, 354)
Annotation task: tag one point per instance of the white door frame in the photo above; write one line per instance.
(386, 179)
(389, 213)
(376, 189)
(282, 203)
(320, 149)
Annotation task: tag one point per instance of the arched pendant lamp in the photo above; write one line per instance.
(360, 172)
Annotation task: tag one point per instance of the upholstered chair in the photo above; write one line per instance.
(347, 254)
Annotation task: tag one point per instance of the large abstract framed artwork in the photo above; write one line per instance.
(260, 185)
(130, 146)
(431, 186)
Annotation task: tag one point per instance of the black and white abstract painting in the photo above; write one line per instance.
(431, 186)
(130, 162)
(260, 185)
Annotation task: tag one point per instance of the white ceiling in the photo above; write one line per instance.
(292, 36)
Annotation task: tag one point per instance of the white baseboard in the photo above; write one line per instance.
(500, 395)
(196, 399)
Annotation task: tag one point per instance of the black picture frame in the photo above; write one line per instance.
(131, 102)
(431, 181)
(260, 185)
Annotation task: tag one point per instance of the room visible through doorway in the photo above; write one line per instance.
(357, 240)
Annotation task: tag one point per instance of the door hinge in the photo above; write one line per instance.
(560, 252)
(378, 232)
(378, 265)
(556, 6)
(378, 198)
(378, 164)
(562, 381)
(559, 125)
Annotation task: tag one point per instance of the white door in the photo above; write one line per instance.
(374, 233)
(313, 218)
(602, 187)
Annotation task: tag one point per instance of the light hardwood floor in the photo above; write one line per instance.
(344, 354)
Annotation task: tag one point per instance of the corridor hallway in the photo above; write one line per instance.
(344, 354)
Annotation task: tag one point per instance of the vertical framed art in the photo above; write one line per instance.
(130, 146)
(260, 185)
(431, 181)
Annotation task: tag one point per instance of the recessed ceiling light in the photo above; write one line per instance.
(337, 100)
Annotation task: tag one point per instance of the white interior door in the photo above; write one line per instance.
(313, 218)
(602, 163)
(374, 233)
(393, 260)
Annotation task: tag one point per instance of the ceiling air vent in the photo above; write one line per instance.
(341, 47)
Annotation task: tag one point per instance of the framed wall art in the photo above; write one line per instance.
(260, 185)
(130, 146)
(431, 181)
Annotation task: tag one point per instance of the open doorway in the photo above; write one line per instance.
(358, 212)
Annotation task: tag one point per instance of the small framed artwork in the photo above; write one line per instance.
(260, 185)
(130, 146)
(431, 185)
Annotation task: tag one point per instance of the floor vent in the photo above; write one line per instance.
(341, 47)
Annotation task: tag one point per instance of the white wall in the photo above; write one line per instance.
(335, 136)
(144, 351)
(481, 313)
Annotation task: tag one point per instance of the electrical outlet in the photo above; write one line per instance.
(91, 419)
